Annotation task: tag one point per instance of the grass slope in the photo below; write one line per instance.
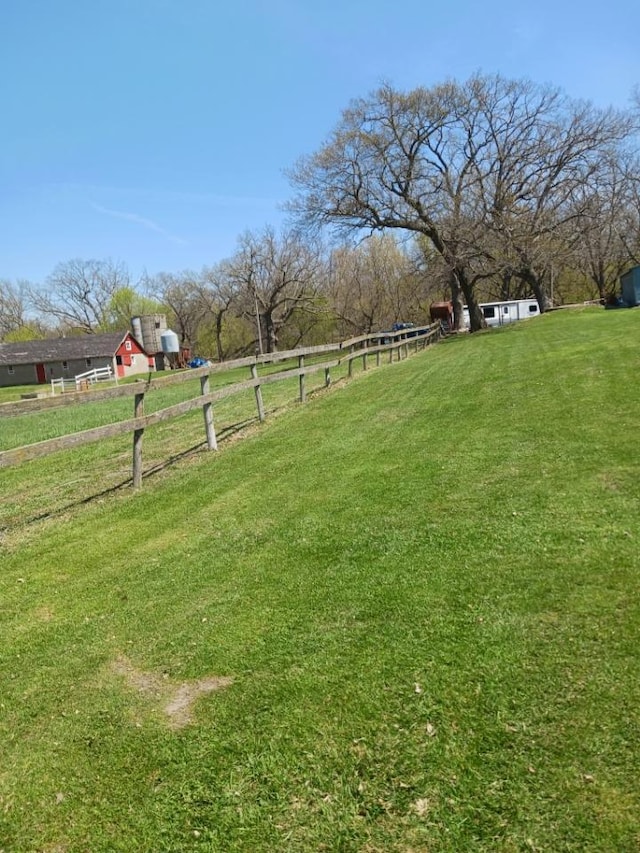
(423, 585)
(53, 484)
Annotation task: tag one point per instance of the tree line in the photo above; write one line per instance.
(490, 189)
(279, 290)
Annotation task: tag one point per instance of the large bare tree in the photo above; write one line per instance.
(274, 276)
(78, 294)
(396, 160)
(539, 156)
(486, 170)
(219, 298)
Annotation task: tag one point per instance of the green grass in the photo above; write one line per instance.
(14, 392)
(29, 428)
(424, 585)
(52, 484)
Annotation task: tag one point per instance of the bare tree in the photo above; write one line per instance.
(78, 293)
(606, 233)
(535, 152)
(396, 160)
(219, 297)
(180, 294)
(373, 285)
(12, 307)
(276, 276)
(486, 170)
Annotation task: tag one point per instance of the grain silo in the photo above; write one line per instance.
(151, 327)
(136, 328)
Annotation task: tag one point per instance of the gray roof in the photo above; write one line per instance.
(61, 349)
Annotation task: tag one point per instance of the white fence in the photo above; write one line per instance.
(83, 380)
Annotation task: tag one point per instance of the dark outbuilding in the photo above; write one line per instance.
(39, 361)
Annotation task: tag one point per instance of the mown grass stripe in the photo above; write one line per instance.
(425, 590)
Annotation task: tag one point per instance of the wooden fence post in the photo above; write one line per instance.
(207, 411)
(350, 374)
(327, 377)
(303, 393)
(258, 390)
(378, 354)
(138, 412)
(364, 356)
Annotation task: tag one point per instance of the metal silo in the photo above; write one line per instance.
(169, 342)
(170, 350)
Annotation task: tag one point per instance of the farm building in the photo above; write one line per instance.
(630, 283)
(38, 362)
(442, 311)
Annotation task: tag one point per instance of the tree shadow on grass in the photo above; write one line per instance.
(225, 434)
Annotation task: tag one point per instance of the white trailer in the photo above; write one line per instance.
(501, 313)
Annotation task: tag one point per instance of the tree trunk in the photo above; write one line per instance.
(476, 317)
(270, 332)
(458, 274)
(538, 285)
(601, 282)
(505, 287)
(219, 317)
(458, 304)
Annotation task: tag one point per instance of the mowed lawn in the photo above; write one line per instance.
(402, 617)
(53, 484)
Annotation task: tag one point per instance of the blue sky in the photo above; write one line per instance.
(157, 131)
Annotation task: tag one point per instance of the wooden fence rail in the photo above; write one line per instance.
(347, 351)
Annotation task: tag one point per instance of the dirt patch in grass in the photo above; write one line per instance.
(176, 699)
(43, 613)
(178, 709)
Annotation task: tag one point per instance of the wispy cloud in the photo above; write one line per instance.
(135, 196)
(139, 220)
(184, 196)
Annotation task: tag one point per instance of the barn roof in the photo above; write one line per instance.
(62, 349)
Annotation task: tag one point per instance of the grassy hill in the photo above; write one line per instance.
(419, 591)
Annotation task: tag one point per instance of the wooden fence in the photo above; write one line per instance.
(393, 344)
